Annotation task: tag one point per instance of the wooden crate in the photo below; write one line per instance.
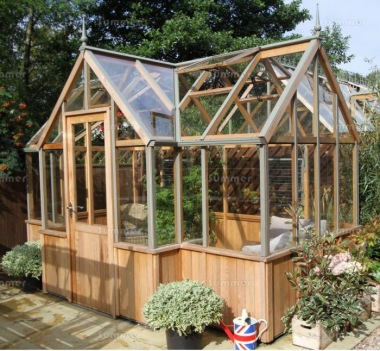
(375, 300)
(310, 336)
(365, 302)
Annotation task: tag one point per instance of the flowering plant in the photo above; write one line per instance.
(16, 127)
(330, 279)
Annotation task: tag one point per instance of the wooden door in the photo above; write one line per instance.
(89, 204)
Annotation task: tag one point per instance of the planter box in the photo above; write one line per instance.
(365, 302)
(310, 336)
(375, 300)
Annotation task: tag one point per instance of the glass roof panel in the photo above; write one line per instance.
(75, 101)
(55, 135)
(212, 60)
(147, 89)
(305, 95)
(99, 95)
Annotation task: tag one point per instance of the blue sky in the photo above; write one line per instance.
(359, 19)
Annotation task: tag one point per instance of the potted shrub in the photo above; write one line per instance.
(330, 282)
(184, 309)
(25, 261)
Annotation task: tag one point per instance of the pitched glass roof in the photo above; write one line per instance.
(147, 89)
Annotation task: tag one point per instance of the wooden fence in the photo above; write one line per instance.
(13, 212)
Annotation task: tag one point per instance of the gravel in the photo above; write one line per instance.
(371, 342)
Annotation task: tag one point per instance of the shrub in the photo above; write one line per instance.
(185, 307)
(23, 260)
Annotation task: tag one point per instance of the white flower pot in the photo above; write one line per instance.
(310, 336)
(375, 299)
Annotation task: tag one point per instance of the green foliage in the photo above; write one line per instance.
(185, 307)
(376, 274)
(192, 208)
(165, 219)
(369, 163)
(369, 235)
(23, 260)
(330, 282)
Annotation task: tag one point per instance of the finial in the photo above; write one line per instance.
(83, 39)
(317, 27)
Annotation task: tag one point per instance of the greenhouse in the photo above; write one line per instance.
(149, 172)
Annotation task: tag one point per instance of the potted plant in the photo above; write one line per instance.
(330, 283)
(25, 261)
(184, 309)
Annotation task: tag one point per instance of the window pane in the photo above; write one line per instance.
(80, 172)
(133, 226)
(56, 209)
(98, 164)
(165, 213)
(34, 190)
(192, 195)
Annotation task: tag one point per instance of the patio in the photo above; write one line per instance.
(44, 321)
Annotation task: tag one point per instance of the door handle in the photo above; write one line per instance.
(71, 210)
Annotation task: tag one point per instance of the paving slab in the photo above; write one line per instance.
(42, 321)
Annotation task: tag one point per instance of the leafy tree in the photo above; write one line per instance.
(190, 29)
(336, 45)
(39, 55)
(40, 38)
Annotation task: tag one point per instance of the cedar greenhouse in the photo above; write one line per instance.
(149, 172)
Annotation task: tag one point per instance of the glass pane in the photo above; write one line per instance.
(304, 119)
(75, 99)
(34, 190)
(98, 94)
(346, 185)
(284, 127)
(165, 221)
(243, 180)
(327, 187)
(98, 163)
(193, 122)
(133, 225)
(56, 209)
(216, 181)
(80, 172)
(147, 89)
(55, 135)
(192, 195)
(280, 180)
(125, 130)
